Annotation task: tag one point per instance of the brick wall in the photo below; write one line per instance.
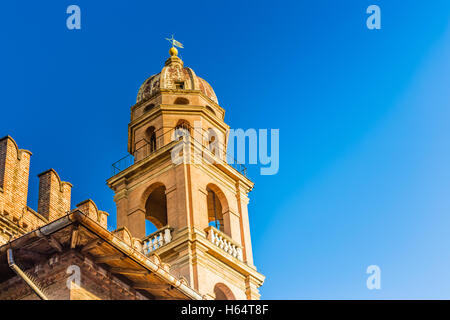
(52, 276)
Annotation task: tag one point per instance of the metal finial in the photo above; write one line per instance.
(175, 43)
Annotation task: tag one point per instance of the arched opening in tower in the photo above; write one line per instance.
(182, 129)
(183, 124)
(215, 213)
(156, 210)
(222, 292)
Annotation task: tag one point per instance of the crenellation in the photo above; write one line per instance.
(16, 217)
(89, 208)
(54, 195)
(14, 172)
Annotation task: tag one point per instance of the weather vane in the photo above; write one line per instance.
(175, 43)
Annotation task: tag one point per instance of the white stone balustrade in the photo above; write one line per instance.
(224, 242)
(156, 240)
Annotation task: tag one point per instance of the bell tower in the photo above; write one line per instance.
(177, 177)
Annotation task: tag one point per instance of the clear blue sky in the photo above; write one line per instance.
(363, 116)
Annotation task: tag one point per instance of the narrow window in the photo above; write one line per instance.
(210, 109)
(151, 139)
(149, 107)
(213, 142)
(179, 85)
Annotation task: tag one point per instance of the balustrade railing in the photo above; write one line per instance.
(144, 148)
(224, 242)
(157, 240)
(163, 237)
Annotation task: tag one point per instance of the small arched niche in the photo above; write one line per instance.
(156, 209)
(211, 109)
(222, 292)
(181, 100)
(149, 107)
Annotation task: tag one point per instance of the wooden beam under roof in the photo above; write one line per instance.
(91, 244)
(129, 271)
(74, 237)
(55, 243)
(109, 258)
(151, 286)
